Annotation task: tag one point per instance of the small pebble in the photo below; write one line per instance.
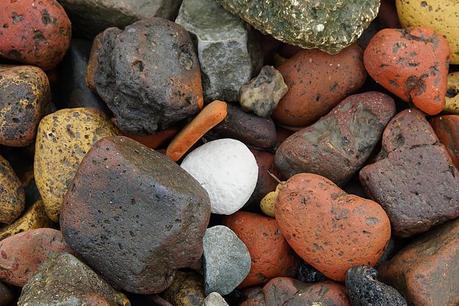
(214, 299)
(308, 274)
(268, 203)
(452, 94)
(186, 289)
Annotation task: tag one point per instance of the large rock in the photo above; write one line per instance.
(228, 50)
(144, 217)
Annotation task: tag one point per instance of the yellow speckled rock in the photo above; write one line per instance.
(186, 290)
(452, 95)
(12, 198)
(440, 15)
(268, 203)
(63, 139)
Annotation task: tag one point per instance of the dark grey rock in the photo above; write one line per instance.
(308, 274)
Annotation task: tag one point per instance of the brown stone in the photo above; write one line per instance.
(12, 197)
(186, 290)
(447, 130)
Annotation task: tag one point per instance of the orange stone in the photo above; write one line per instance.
(447, 130)
(155, 140)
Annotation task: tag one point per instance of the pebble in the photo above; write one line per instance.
(228, 50)
(186, 289)
(214, 299)
(414, 170)
(153, 69)
(12, 197)
(155, 140)
(144, 216)
(452, 97)
(226, 260)
(317, 82)
(7, 297)
(262, 94)
(447, 130)
(227, 170)
(254, 297)
(24, 95)
(308, 274)
(339, 144)
(363, 289)
(63, 139)
(64, 280)
(268, 203)
(328, 228)
(34, 32)
(412, 64)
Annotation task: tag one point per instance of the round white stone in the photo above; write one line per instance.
(227, 170)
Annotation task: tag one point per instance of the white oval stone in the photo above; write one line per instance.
(227, 170)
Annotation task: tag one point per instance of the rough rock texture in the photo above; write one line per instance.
(328, 25)
(186, 289)
(414, 179)
(447, 130)
(338, 144)
(308, 274)
(64, 280)
(228, 50)
(364, 289)
(143, 215)
(12, 197)
(214, 299)
(148, 75)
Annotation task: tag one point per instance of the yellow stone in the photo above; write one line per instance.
(268, 203)
(452, 95)
(186, 290)
(12, 198)
(63, 139)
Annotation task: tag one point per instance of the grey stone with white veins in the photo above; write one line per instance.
(228, 49)
(214, 299)
(226, 260)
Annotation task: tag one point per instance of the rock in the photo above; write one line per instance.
(254, 297)
(89, 17)
(452, 97)
(262, 94)
(328, 228)
(387, 15)
(22, 254)
(63, 139)
(12, 198)
(228, 172)
(148, 75)
(414, 171)
(24, 95)
(437, 15)
(34, 32)
(447, 130)
(226, 260)
(64, 280)
(270, 254)
(329, 79)
(268, 203)
(328, 25)
(6, 296)
(308, 274)
(338, 145)
(228, 50)
(186, 289)
(155, 140)
(147, 206)
(214, 299)
(426, 270)
(412, 64)
(364, 289)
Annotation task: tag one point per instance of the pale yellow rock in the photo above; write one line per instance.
(12, 198)
(268, 203)
(452, 95)
(63, 139)
(439, 15)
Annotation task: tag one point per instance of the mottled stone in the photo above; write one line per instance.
(12, 197)
(308, 274)
(214, 299)
(187, 289)
(228, 49)
(144, 216)
(447, 130)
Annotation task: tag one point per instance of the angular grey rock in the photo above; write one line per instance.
(228, 50)
(262, 94)
(226, 260)
(64, 280)
(214, 299)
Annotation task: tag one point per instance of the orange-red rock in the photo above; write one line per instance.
(447, 130)
(330, 229)
(155, 140)
(270, 253)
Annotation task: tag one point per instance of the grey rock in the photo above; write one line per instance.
(214, 299)
(228, 50)
(226, 260)
(64, 280)
(262, 94)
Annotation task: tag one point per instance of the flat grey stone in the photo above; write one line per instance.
(214, 299)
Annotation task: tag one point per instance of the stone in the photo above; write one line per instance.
(270, 254)
(228, 50)
(214, 299)
(268, 203)
(412, 64)
(363, 288)
(262, 94)
(6, 295)
(317, 82)
(90, 17)
(228, 172)
(155, 140)
(148, 75)
(24, 96)
(447, 130)
(452, 96)
(226, 260)
(339, 144)
(254, 297)
(186, 289)
(426, 270)
(414, 179)
(22, 254)
(34, 32)
(328, 228)
(387, 15)
(12, 197)
(308, 274)
(64, 280)
(144, 216)
(63, 139)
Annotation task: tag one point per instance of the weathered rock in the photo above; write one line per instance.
(447, 130)
(415, 180)
(254, 297)
(64, 280)
(144, 216)
(338, 144)
(328, 25)
(148, 75)
(214, 299)
(186, 289)
(262, 94)
(363, 289)
(24, 95)
(228, 50)
(226, 260)
(308, 274)
(12, 198)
